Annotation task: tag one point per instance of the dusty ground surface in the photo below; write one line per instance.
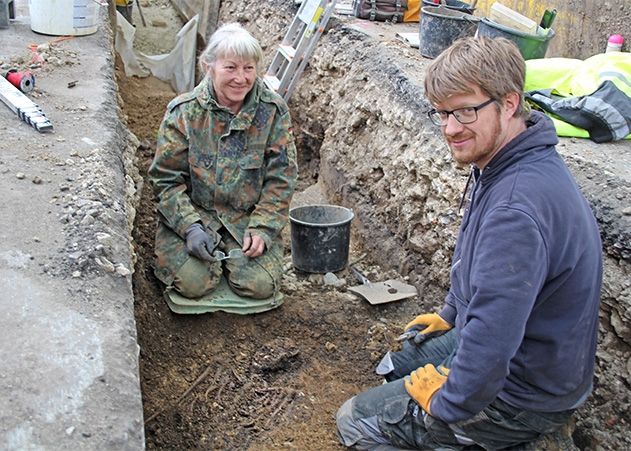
(68, 350)
(274, 381)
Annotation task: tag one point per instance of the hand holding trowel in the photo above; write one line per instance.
(381, 292)
(425, 326)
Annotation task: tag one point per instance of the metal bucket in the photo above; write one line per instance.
(441, 26)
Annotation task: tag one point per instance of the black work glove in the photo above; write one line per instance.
(199, 243)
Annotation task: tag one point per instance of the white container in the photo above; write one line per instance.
(614, 44)
(64, 17)
(504, 15)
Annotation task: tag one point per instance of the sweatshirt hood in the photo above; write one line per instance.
(539, 136)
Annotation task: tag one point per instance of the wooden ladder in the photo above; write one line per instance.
(297, 46)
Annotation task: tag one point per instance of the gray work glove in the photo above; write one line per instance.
(199, 243)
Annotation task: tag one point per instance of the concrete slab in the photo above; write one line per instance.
(69, 373)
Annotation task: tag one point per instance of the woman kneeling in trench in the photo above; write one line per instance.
(224, 173)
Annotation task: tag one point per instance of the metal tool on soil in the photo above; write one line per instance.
(234, 253)
(381, 292)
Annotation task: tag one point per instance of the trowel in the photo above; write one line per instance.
(381, 292)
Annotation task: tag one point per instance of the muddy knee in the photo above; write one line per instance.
(252, 282)
(356, 430)
(348, 432)
(196, 278)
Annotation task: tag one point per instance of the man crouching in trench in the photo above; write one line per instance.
(223, 174)
(511, 354)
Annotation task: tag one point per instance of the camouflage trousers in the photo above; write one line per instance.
(257, 278)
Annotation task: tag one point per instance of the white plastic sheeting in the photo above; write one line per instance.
(176, 67)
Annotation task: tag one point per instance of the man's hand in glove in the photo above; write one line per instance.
(199, 243)
(432, 322)
(424, 382)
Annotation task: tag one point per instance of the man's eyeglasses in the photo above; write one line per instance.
(465, 115)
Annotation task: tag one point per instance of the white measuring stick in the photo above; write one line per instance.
(24, 107)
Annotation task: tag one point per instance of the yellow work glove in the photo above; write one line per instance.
(424, 382)
(433, 321)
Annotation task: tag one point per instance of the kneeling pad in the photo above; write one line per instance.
(223, 299)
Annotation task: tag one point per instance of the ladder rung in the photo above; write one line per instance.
(272, 82)
(287, 51)
(296, 47)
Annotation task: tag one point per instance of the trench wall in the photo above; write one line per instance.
(360, 104)
(380, 155)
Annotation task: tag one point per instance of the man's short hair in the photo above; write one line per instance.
(493, 64)
(230, 40)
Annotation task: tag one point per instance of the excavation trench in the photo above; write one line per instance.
(274, 381)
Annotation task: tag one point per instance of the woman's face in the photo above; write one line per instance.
(232, 79)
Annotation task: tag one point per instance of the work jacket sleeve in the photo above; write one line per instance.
(169, 173)
(271, 212)
(448, 312)
(495, 297)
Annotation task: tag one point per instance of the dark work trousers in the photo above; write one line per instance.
(387, 418)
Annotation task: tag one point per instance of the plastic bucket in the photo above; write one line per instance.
(451, 4)
(320, 237)
(64, 17)
(531, 46)
(441, 26)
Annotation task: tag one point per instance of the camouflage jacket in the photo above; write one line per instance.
(236, 171)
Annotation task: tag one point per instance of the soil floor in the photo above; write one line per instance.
(219, 381)
(268, 381)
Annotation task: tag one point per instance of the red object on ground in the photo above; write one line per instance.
(24, 81)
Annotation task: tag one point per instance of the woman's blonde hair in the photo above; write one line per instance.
(230, 40)
(493, 64)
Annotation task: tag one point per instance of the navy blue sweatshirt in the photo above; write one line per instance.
(525, 285)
